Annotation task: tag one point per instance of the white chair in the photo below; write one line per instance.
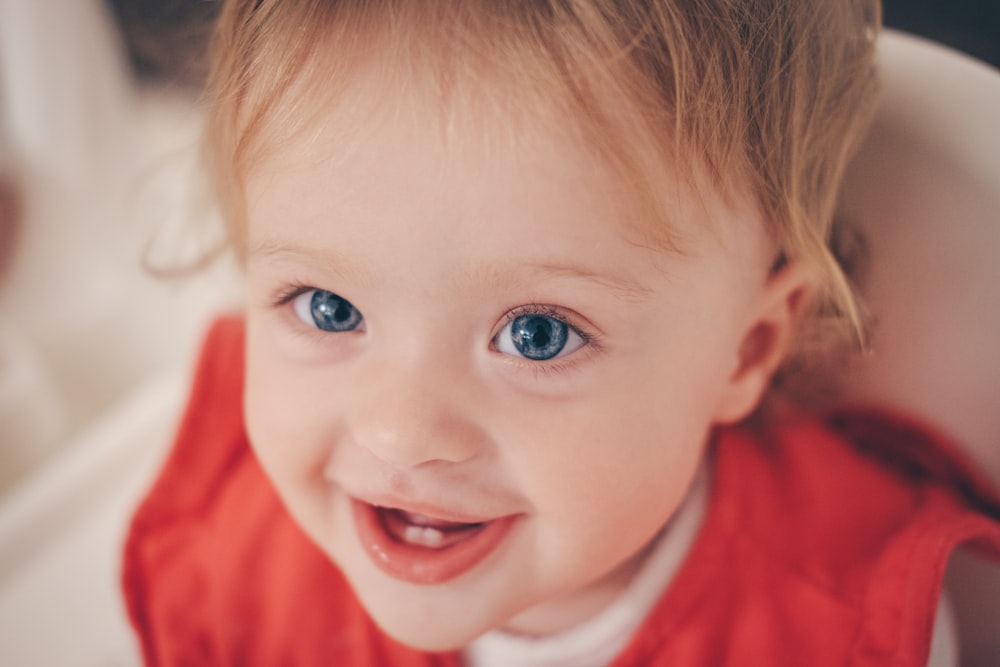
(925, 190)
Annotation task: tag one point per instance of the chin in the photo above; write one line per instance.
(428, 621)
(428, 634)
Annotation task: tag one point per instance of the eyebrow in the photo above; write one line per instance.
(623, 285)
(333, 261)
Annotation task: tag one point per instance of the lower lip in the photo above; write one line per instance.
(422, 565)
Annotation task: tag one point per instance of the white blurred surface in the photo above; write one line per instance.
(94, 351)
(106, 171)
(926, 192)
(61, 535)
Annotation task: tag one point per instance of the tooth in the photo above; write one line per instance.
(433, 537)
(427, 537)
(417, 519)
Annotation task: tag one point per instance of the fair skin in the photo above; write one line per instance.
(443, 243)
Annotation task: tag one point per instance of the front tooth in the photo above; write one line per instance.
(433, 537)
(427, 537)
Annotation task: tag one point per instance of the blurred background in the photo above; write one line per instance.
(104, 217)
(972, 26)
(165, 39)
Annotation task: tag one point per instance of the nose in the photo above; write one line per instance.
(408, 417)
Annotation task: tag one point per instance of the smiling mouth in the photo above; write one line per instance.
(425, 531)
(422, 549)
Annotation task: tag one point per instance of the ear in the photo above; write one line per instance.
(766, 341)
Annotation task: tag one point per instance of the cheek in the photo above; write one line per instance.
(604, 500)
(635, 458)
(290, 435)
(626, 456)
(616, 466)
(285, 419)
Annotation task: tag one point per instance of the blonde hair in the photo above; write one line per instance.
(767, 96)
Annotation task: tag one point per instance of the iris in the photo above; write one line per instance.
(330, 312)
(539, 337)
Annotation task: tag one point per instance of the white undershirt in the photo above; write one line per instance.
(598, 640)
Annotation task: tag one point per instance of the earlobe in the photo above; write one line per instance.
(766, 341)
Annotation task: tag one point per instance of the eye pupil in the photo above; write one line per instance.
(333, 313)
(539, 337)
(343, 312)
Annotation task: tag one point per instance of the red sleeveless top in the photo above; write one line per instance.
(825, 543)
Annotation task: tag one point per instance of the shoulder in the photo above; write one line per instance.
(871, 499)
(855, 476)
(826, 542)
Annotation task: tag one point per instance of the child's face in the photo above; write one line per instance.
(503, 356)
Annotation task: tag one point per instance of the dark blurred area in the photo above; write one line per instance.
(10, 205)
(167, 39)
(972, 26)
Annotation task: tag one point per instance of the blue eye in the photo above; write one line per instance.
(326, 311)
(538, 337)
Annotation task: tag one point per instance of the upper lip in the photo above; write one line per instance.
(455, 501)
(436, 510)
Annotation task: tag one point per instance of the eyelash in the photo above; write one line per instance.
(286, 295)
(591, 340)
(282, 299)
(559, 365)
(548, 311)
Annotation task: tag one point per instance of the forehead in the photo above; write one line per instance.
(344, 93)
(472, 125)
(379, 152)
(380, 121)
(377, 203)
(477, 111)
(384, 171)
(475, 122)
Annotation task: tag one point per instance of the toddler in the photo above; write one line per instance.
(519, 276)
